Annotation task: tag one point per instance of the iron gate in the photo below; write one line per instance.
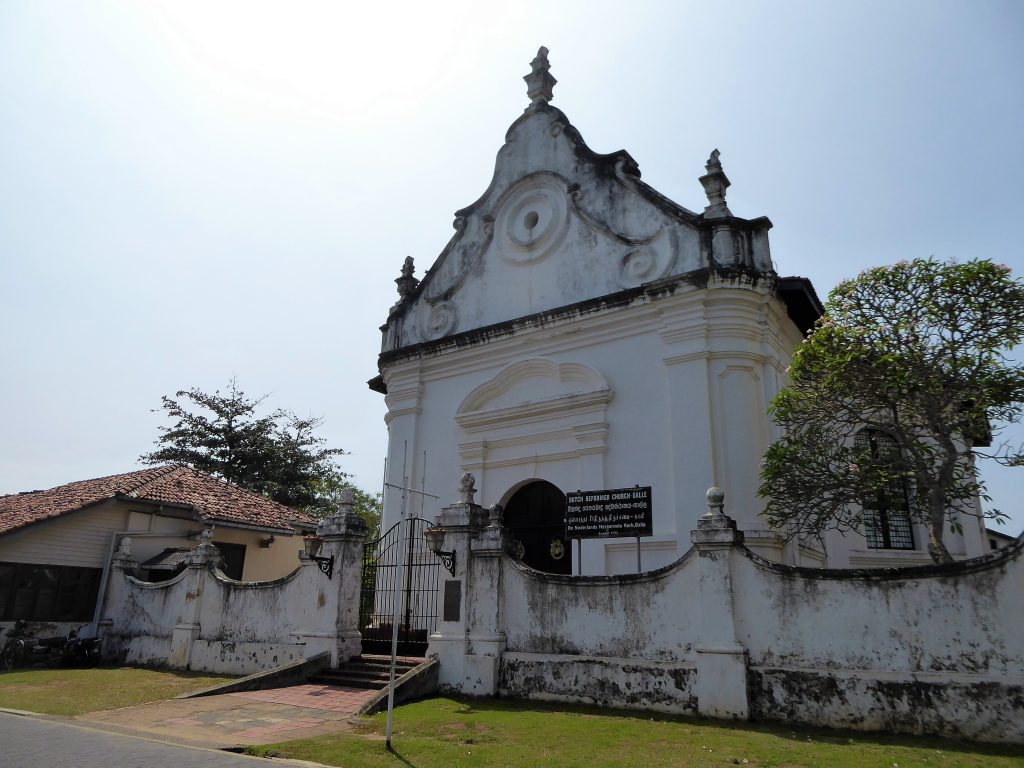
(416, 595)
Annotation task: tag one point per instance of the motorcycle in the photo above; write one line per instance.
(23, 649)
(81, 650)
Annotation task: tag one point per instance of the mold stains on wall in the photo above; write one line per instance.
(976, 709)
(602, 681)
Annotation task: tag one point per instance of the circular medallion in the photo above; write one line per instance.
(638, 266)
(518, 550)
(557, 549)
(439, 321)
(532, 221)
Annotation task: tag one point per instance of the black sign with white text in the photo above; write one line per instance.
(604, 514)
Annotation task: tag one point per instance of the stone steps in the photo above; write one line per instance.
(366, 671)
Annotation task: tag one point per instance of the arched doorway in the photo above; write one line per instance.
(535, 515)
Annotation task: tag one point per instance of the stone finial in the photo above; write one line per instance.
(467, 488)
(713, 164)
(716, 501)
(123, 558)
(406, 283)
(539, 83)
(206, 552)
(346, 501)
(715, 529)
(494, 516)
(715, 182)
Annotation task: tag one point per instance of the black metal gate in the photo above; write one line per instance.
(416, 594)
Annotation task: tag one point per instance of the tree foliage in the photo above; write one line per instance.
(278, 455)
(916, 351)
(368, 506)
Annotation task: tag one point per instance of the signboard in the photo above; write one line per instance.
(609, 513)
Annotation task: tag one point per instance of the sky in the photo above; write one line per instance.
(191, 191)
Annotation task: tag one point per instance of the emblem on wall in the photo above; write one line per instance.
(518, 550)
(439, 321)
(532, 221)
(557, 549)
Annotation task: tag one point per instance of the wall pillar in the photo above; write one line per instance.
(721, 661)
(451, 642)
(344, 538)
(187, 627)
(485, 640)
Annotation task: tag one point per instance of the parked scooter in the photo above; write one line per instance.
(81, 650)
(23, 649)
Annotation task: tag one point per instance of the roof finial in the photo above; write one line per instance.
(715, 182)
(406, 283)
(539, 83)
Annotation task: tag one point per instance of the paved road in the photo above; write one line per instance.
(28, 742)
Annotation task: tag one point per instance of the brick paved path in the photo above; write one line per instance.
(238, 719)
(29, 742)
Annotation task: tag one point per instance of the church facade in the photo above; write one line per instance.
(581, 331)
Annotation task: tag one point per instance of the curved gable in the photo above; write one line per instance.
(534, 381)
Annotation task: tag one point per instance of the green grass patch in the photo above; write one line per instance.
(449, 733)
(77, 691)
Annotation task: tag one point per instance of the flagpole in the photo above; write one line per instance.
(396, 594)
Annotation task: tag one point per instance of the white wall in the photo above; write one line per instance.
(670, 393)
(934, 649)
(201, 620)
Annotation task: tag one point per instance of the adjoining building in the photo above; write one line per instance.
(56, 545)
(581, 331)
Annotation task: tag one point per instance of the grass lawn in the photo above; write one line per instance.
(449, 733)
(76, 691)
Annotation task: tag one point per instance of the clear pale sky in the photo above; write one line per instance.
(191, 190)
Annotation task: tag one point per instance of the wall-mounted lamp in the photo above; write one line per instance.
(267, 542)
(325, 564)
(435, 540)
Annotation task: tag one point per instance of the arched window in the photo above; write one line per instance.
(887, 515)
(536, 517)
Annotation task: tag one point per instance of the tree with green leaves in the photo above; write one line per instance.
(368, 506)
(891, 399)
(277, 454)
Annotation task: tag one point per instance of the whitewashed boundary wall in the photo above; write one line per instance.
(928, 649)
(725, 633)
(202, 620)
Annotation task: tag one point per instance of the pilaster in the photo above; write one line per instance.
(344, 538)
(721, 684)
(466, 642)
(186, 630)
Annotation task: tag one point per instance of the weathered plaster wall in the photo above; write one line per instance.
(923, 650)
(239, 628)
(605, 681)
(724, 632)
(650, 616)
(139, 617)
(203, 620)
(611, 640)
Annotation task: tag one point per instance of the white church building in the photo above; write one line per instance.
(581, 331)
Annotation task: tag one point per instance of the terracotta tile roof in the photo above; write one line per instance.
(209, 497)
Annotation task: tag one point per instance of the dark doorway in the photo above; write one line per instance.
(536, 517)
(234, 559)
